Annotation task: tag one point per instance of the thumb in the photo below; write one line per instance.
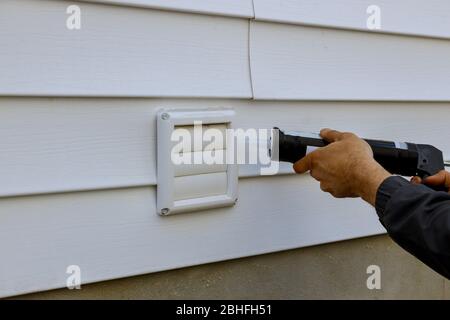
(442, 178)
(330, 135)
(303, 165)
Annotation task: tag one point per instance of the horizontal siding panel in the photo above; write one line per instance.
(236, 8)
(116, 233)
(59, 145)
(297, 62)
(120, 51)
(414, 17)
(71, 144)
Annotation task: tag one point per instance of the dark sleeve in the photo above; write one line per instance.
(418, 219)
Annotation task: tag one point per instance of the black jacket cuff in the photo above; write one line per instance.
(385, 192)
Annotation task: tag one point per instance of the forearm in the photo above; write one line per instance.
(418, 219)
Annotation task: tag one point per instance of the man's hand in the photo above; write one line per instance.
(345, 167)
(441, 179)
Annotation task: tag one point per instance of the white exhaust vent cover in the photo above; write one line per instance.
(193, 171)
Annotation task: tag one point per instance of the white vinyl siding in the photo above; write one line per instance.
(410, 17)
(60, 145)
(308, 63)
(120, 51)
(235, 8)
(116, 233)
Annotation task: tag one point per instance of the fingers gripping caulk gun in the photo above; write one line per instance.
(403, 158)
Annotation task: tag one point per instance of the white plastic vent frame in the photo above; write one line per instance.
(167, 120)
